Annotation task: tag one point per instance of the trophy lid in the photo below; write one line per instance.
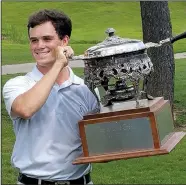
(113, 45)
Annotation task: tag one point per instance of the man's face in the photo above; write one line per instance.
(43, 41)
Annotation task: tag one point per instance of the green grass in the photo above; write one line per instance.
(90, 20)
(167, 169)
(180, 91)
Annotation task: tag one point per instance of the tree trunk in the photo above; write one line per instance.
(156, 27)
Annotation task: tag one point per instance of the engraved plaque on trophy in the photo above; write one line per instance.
(122, 131)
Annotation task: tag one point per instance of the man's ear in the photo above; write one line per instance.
(65, 40)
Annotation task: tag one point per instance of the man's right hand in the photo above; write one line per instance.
(63, 54)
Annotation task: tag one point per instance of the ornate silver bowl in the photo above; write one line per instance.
(117, 65)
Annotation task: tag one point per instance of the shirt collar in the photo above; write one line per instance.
(37, 75)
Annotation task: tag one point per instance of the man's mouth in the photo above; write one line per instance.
(42, 53)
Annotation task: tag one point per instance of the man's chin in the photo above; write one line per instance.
(44, 62)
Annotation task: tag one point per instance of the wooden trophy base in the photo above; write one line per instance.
(122, 131)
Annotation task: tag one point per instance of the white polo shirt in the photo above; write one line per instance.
(48, 142)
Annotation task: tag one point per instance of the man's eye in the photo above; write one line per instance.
(33, 41)
(47, 39)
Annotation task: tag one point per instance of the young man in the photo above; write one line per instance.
(45, 106)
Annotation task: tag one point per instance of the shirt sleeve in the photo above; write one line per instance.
(94, 104)
(12, 89)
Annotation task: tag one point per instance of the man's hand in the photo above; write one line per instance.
(63, 54)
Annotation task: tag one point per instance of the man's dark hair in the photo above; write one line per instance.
(59, 20)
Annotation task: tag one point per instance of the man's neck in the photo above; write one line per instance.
(62, 77)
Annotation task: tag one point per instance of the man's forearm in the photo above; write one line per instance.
(31, 101)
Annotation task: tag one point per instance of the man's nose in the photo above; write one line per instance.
(41, 44)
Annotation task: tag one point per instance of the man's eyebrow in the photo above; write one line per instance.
(31, 38)
(46, 36)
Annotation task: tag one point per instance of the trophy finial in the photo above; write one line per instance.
(110, 32)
